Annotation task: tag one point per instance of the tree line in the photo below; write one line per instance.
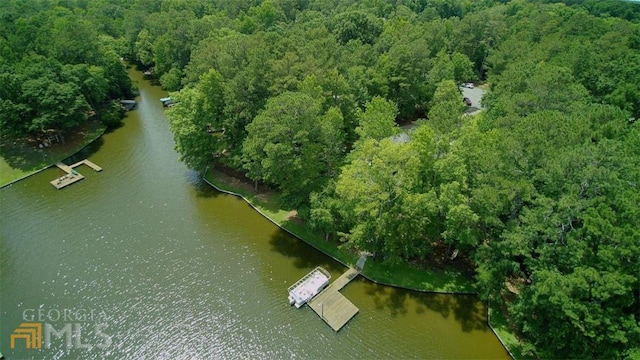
(539, 190)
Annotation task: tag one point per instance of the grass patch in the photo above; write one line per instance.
(408, 276)
(18, 159)
(21, 158)
(501, 326)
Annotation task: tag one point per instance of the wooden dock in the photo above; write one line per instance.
(88, 163)
(71, 176)
(335, 309)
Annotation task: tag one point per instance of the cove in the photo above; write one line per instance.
(173, 269)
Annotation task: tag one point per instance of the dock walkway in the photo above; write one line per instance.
(88, 163)
(71, 175)
(335, 309)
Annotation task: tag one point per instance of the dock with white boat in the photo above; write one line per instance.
(309, 286)
(71, 175)
(333, 307)
(167, 101)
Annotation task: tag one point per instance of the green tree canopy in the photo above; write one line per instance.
(196, 121)
(288, 146)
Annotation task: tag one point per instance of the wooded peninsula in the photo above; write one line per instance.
(352, 111)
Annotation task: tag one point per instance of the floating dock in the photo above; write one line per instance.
(72, 176)
(332, 307)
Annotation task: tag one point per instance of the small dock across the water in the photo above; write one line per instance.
(71, 175)
(335, 309)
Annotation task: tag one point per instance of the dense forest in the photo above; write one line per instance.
(57, 70)
(539, 191)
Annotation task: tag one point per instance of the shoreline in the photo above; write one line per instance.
(368, 277)
(298, 236)
(66, 156)
(461, 291)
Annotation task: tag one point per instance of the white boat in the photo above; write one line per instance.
(128, 104)
(309, 286)
(166, 101)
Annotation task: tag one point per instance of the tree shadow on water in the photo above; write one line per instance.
(468, 310)
(87, 151)
(289, 246)
(304, 255)
(387, 298)
(204, 190)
